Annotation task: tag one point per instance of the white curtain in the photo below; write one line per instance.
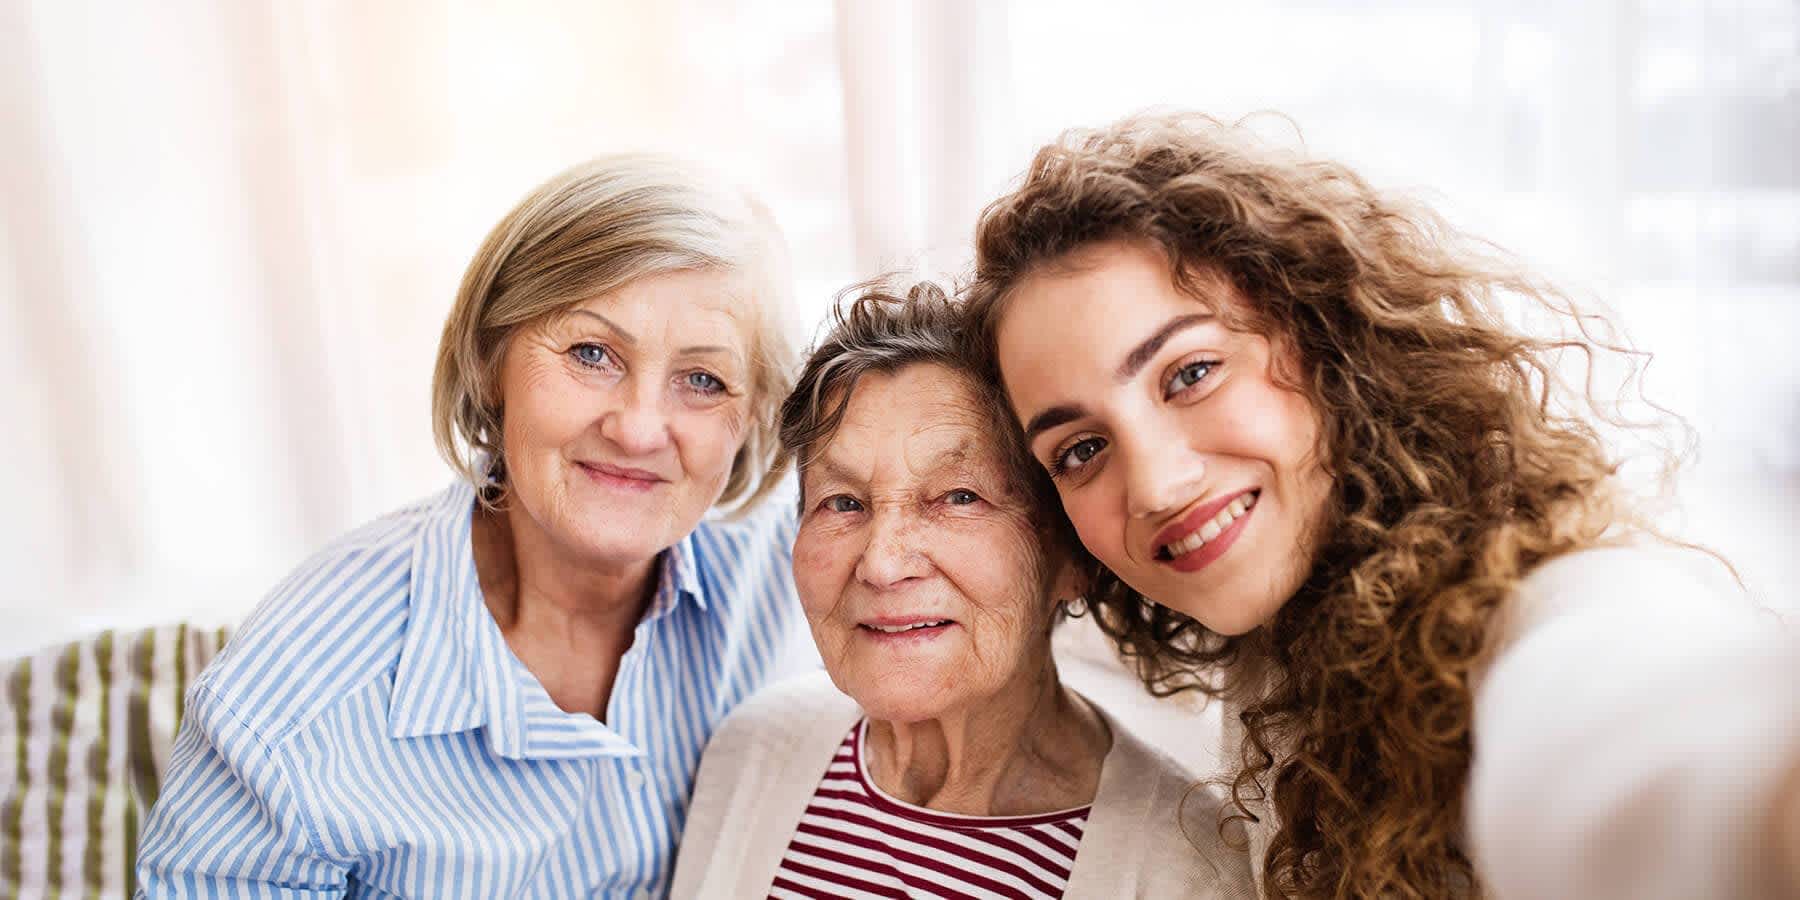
(231, 229)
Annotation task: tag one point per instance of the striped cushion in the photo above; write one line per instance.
(88, 726)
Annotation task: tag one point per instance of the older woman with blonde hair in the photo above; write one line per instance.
(503, 690)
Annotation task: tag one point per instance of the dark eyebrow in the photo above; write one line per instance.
(1134, 361)
(1050, 418)
(1141, 354)
(624, 335)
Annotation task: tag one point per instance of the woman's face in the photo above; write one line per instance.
(621, 416)
(919, 570)
(1187, 470)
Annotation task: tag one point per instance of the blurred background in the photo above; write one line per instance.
(231, 229)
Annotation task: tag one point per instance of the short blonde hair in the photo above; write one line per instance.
(591, 230)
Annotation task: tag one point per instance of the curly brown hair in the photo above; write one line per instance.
(1456, 469)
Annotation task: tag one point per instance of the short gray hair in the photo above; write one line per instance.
(879, 328)
(591, 230)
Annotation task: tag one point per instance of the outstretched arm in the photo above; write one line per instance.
(1632, 735)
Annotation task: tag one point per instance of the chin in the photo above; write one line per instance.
(1231, 625)
(1220, 609)
(617, 544)
(896, 700)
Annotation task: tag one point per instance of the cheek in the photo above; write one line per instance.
(822, 563)
(1095, 510)
(709, 440)
(997, 569)
(1292, 440)
(543, 409)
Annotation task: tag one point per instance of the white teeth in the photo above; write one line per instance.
(1212, 528)
(896, 629)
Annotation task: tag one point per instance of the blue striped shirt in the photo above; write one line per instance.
(368, 733)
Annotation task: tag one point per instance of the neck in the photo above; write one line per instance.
(1033, 747)
(531, 581)
(568, 620)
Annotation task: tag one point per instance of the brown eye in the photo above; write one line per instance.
(1076, 455)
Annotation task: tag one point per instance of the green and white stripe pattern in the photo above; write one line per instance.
(88, 727)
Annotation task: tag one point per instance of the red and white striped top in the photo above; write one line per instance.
(857, 842)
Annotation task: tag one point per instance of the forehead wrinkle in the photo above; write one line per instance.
(933, 449)
(826, 466)
(971, 458)
(570, 314)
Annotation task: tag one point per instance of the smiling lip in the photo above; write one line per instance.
(1191, 522)
(886, 628)
(623, 477)
(1199, 558)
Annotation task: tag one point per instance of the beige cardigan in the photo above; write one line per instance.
(765, 761)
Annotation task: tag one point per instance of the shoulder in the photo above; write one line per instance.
(1159, 827)
(1646, 580)
(1640, 565)
(758, 774)
(335, 622)
(796, 710)
(771, 751)
(748, 555)
(1158, 783)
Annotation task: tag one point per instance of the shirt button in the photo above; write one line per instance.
(635, 778)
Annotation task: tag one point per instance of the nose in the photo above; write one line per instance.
(894, 554)
(1161, 476)
(640, 425)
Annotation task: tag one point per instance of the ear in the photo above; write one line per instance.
(1070, 584)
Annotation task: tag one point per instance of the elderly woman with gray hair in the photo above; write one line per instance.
(504, 690)
(942, 756)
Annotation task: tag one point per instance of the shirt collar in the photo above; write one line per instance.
(437, 684)
(456, 672)
(680, 575)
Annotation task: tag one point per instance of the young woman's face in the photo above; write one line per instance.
(1188, 471)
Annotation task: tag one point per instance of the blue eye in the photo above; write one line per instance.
(843, 503)
(705, 383)
(591, 355)
(961, 497)
(1187, 376)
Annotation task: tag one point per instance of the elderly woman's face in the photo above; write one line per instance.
(918, 569)
(622, 416)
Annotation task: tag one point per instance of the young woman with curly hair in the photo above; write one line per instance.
(1321, 477)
